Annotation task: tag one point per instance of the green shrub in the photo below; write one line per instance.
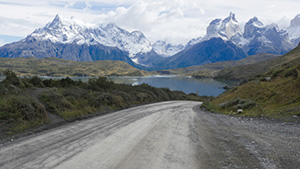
(12, 78)
(67, 82)
(17, 106)
(49, 83)
(99, 84)
(209, 106)
(276, 73)
(291, 73)
(36, 81)
(55, 102)
(238, 104)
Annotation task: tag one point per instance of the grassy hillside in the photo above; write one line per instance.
(59, 67)
(249, 71)
(209, 69)
(275, 93)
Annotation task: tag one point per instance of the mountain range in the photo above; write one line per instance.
(256, 38)
(224, 41)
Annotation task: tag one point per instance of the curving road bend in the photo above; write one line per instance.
(173, 134)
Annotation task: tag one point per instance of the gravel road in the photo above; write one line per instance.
(173, 134)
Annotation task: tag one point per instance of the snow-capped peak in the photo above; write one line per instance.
(57, 22)
(166, 49)
(255, 22)
(253, 27)
(225, 29)
(70, 31)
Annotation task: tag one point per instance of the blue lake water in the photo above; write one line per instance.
(209, 87)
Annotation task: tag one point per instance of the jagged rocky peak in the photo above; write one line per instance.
(296, 21)
(57, 21)
(253, 27)
(232, 26)
(225, 29)
(255, 22)
(213, 29)
(230, 17)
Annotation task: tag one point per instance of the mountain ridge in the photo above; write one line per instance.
(67, 39)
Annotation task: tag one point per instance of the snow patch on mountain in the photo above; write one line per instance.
(69, 31)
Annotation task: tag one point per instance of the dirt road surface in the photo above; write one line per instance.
(175, 135)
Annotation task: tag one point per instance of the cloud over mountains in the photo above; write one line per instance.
(176, 21)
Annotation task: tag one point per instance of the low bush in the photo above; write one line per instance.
(15, 107)
(291, 73)
(55, 102)
(238, 104)
(12, 79)
(26, 101)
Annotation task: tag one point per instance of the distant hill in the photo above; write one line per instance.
(59, 67)
(207, 70)
(247, 71)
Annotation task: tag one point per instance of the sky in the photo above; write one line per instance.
(175, 21)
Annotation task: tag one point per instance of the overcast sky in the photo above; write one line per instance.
(175, 21)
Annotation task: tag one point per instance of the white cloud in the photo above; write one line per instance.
(174, 20)
(2, 42)
(88, 6)
(160, 20)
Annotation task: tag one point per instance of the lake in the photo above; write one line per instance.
(209, 87)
